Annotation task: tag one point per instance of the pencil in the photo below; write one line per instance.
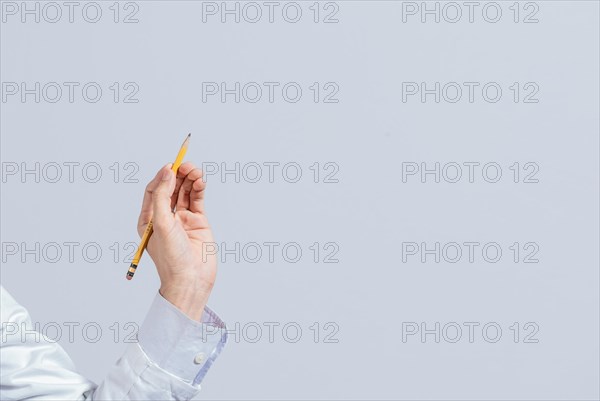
(149, 229)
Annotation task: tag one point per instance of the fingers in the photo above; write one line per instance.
(162, 213)
(182, 171)
(186, 191)
(197, 195)
(191, 193)
(147, 207)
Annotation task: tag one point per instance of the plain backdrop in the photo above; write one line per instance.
(360, 213)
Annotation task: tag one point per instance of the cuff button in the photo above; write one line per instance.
(199, 358)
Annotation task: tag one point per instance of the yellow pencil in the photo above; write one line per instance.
(148, 232)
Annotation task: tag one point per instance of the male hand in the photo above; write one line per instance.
(176, 207)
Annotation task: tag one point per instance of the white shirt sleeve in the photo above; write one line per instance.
(171, 357)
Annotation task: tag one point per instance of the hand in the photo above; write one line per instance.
(176, 207)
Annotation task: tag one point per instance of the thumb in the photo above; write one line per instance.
(161, 199)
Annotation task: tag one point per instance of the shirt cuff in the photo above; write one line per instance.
(179, 345)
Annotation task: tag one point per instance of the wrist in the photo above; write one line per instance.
(188, 298)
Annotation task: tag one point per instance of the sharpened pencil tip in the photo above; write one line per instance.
(187, 140)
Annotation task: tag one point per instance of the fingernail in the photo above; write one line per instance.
(166, 174)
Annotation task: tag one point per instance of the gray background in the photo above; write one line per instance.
(369, 213)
